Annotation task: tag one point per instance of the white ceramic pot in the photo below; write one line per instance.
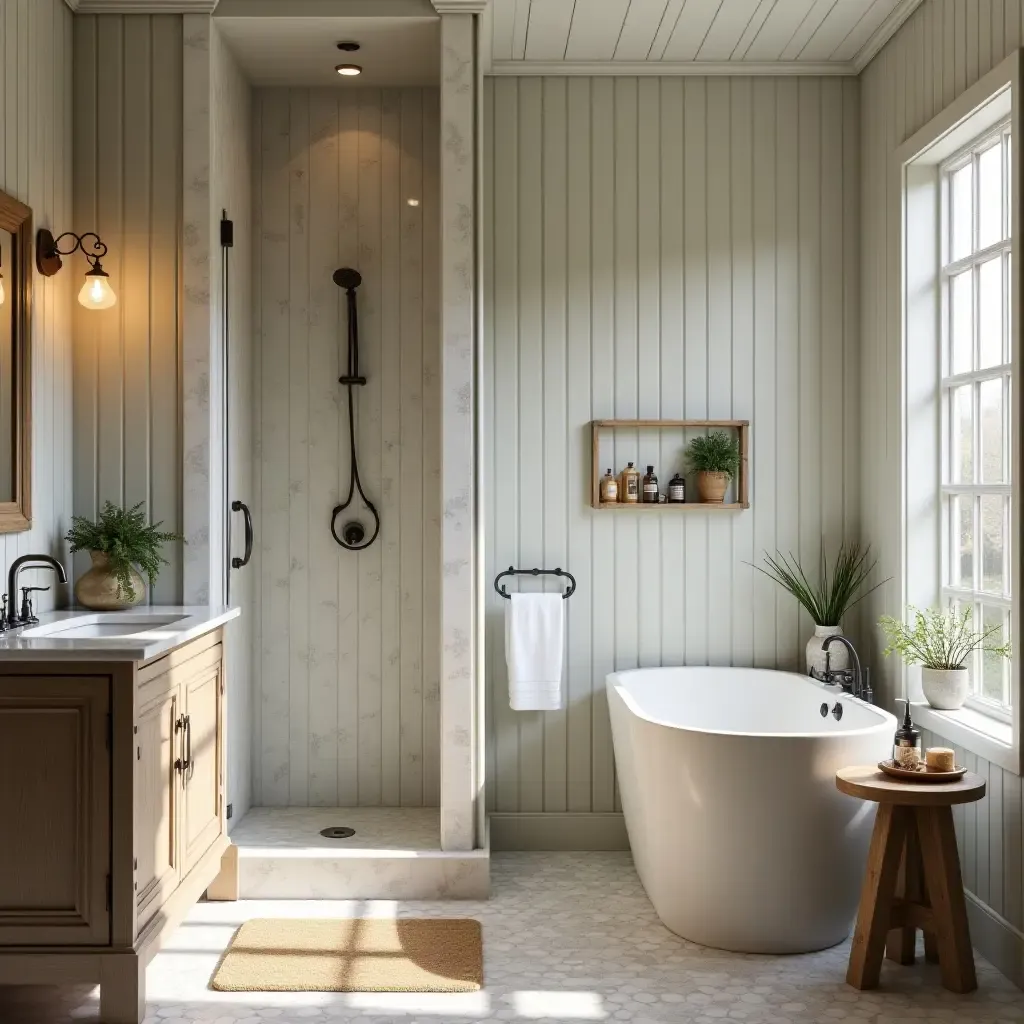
(838, 657)
(945, 688)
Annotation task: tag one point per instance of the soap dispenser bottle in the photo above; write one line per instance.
(609, 489)
(906, 744)
(629, 485)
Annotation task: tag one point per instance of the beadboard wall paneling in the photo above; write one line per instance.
(662, 248)
(943, 48)
(347, 651)
(35, 167)
(231, 190)
(128, 188)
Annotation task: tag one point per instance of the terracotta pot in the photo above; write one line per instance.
(945, 688)
(97, 588)
(712, 486)
(838, 657)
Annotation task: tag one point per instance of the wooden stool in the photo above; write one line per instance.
(913, 878)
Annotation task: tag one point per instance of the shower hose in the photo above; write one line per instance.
(353, 533)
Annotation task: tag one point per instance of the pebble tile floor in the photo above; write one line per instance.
(567, 938)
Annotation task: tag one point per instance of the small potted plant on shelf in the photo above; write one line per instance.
(828, 600)
(942, 642)
(118, 541)
(715, 458)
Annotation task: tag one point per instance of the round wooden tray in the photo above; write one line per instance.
(891, 768)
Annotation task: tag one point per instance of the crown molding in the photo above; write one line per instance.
(460, 6)
(142, 6)
(647, 69)
(899, 14)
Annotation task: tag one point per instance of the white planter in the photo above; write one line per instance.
(945, 688)
(838, 657)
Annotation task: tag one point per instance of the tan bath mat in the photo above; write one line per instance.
(420, 954)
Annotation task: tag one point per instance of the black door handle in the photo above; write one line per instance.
(241, 563)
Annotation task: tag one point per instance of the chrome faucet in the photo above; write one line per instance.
(856, 682)
(28, 562)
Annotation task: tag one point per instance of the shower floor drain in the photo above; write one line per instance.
(337, 832)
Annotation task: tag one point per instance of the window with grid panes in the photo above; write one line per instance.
(975, 401)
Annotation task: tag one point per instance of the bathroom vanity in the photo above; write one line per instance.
(112, 796)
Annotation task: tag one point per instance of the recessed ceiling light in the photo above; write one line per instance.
(413, 202)
(349, 70)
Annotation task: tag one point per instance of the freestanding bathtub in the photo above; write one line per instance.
(738, 832)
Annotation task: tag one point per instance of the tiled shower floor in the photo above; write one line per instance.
(567, 937)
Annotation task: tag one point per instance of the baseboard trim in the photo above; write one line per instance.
(558, 831)
(998, 941)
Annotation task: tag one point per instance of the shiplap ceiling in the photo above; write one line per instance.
(691, 36)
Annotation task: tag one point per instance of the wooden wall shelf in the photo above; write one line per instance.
(741, 483)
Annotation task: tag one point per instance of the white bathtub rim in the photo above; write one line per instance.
(617, 681)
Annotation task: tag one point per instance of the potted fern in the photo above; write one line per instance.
(828, 599)
(942, 643)
(715, 458)
(117, 542)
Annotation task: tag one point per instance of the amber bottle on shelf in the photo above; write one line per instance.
(629, 485)
(609, 489)
(650, 491)
(677, 490)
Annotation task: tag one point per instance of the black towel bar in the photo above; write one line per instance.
(510, 571)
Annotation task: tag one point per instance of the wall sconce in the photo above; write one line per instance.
(3, 294)
(96, 293)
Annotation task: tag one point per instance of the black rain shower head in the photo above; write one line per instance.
(348, 278)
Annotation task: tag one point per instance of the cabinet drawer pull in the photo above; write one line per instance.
(184, 763)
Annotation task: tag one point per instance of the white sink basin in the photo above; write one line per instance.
(110, 625)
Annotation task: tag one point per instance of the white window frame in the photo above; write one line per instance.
(950, 592)
(979, 111)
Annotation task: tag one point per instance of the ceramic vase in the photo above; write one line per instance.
(97, 588)
(838, 656)
(945, 688)
(712, 486)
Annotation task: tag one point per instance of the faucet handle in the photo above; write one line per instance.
(4, 625)
(26, 603)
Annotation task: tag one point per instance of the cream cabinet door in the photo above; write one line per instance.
(202, 793)
(157, 790)
(55, 810)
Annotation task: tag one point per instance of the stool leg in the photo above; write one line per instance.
(876, 896)
(902, 942)
(945, 887)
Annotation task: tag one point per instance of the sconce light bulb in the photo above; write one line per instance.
(3, 294)
(96, 293)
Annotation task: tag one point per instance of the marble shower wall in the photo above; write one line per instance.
(347, 646)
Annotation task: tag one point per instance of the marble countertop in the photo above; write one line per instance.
(145, 633)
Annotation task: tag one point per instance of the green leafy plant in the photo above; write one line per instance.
(940, 639)
(835, 592)
(717, 452)
(127, 539)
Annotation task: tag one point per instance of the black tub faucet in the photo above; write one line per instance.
(853, 682)
(28, 562)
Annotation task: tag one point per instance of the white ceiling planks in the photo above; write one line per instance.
(725, 34)
(839, 23)
(691, 36)
(596, 27)
(692, 26)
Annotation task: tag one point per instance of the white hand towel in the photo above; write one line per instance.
(533, 651)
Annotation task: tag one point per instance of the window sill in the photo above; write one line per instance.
(975, 732)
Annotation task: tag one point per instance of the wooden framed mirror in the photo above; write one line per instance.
(15, 365)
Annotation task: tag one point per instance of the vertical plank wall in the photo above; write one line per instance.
(667, 248)
(943, 48)
(35, 168)
(347, 652)
(128, 188)
(231, 190)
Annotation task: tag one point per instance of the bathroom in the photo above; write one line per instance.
(525, 244)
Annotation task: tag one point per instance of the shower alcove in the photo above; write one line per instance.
(347, 648)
